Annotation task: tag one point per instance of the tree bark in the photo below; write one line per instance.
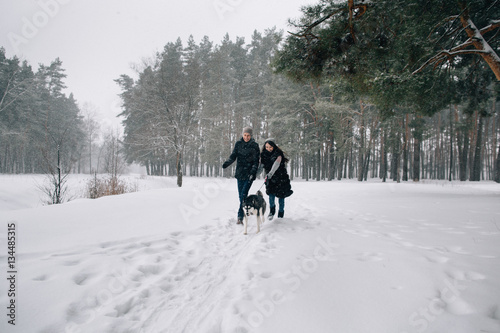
(361, 154)
(476, 166)
(463, 153)
(450, 176)
(488, 54)
(383, 157)
(416, 160)
(340, 164)
(178, 165)
(318, 165)
(497, 167)
(331, 156)
(405, 147)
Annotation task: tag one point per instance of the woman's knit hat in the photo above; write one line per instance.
(270, 140)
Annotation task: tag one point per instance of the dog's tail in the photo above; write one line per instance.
(259, 193)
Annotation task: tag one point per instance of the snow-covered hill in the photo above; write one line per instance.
(348, 257)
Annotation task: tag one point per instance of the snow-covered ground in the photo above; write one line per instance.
(348, 257)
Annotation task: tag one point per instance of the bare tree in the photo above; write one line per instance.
(56, 172)
(92, 128)
(114, 163)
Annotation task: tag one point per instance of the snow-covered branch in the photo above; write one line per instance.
(8, 91)
(354, 9)
(476, 40)
(480, 43)
(493, 25)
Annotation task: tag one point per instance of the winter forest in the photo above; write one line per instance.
(400, 91)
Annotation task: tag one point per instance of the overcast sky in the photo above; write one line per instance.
(98, 40)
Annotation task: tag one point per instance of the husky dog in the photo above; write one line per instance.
(254, 205)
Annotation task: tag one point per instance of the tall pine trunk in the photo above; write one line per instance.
(361, 153)
(406, 143)
(383, 157)
(178, 166)
(331, 156)
(396, 141)
(450, 177)
(476, 165)
(416, 160)
(417, 136)
(463, 151)
(497, 166)
(367, 164)
(496, 159)
(318, 164)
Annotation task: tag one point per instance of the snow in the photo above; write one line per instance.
(348, 257)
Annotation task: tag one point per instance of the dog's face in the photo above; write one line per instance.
(251, 205)
(254, 205)
(250, 211)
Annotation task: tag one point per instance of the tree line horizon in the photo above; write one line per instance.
(343, 95)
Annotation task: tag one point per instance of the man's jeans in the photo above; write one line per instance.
(243, 188)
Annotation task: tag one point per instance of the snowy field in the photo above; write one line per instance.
(348, 257)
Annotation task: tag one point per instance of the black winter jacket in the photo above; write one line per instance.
(279, 184)
(246, 155)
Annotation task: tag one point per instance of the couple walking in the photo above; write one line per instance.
(248, 156)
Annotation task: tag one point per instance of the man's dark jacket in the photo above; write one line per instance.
(246, 155)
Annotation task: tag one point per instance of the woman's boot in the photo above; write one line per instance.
(271, 213)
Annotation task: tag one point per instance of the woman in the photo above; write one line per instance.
(246, 153)
(277, 181)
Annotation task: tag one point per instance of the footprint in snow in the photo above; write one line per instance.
(41, 278)
(77, 313)
(458, 306)
(392, 236)
(148, 270)
(370, 256)
(125, 307)
(66, 254)
(71, 262)
(81, 278)
(437, 259)
(465, 276)
(406, 244)
(457, 249)
(106, 245)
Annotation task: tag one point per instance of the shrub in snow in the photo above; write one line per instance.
(113, 185)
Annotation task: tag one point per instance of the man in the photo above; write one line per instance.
(246, 154)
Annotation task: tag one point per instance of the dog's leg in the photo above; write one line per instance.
(246, 223)
(258, 221)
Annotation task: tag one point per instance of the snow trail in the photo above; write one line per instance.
(342, 260)
(181, 283)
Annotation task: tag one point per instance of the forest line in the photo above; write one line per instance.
(356, 113)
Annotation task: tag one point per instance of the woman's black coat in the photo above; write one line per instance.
(279, 184)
